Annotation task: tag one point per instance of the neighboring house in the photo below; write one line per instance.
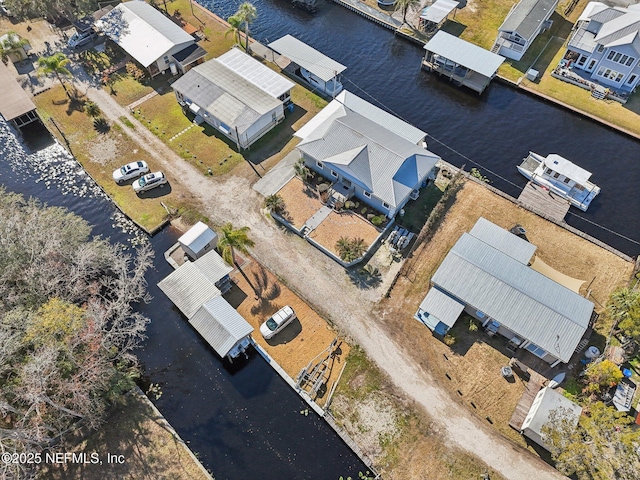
(236, 94)
(526, 20)
(606, 45)
(198, 240)
(10, 46)
(16, 105)
(194, 289)
(547, 400)
(367, 153)
(151, 38)
(487, 275)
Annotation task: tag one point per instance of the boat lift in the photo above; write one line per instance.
(316, 374)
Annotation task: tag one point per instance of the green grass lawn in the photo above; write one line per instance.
(417, 211)
(100, 154)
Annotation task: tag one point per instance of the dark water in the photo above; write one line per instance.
(243, 422)
(492, 132)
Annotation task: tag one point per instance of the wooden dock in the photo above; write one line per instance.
(542, 200)
(533, 387)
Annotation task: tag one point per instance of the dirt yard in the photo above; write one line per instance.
(470, 369)
(344, 224)
(304, 341)
(300, 202)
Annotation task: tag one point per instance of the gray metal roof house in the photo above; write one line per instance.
(526, 20)
(461, 61)
(15, 104)
(236, 94)
(193, 288)
(153, 39)
(547, 401)
(487, 275)
(365, 155)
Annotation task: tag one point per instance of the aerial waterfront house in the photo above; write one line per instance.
(367, 153)
(462, 62)
(487, 275)
(236, 94)
(151, 38)
(526, 20)
(605, 45)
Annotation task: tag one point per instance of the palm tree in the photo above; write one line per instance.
(350, 249)
(55, 64)
(301, 170)
(92, 109)
(247, 13)
(234, 27)
(404, 6)
(274, 203)
(233, 239)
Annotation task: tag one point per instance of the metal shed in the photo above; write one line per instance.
(198, 240)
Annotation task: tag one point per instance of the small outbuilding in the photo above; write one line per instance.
(547, 400)
(435, 15)
(14, 47)
(462, 62)
(198, 240)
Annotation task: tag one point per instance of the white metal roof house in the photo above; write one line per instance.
(461, 61)
(526, 20)
(605, 44)
(487, 275)
(150, 37)
(546, 401)
(193, 288)
(236, 94)
(367, 153)
(320, 71)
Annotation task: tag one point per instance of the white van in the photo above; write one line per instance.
(80, 39)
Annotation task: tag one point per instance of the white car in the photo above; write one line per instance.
(130, 170)
(149, 181)
(79, 39)
(277, 322)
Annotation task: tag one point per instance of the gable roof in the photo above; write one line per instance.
(523, 300)
(467, 54)
(231, 98)
(307, 57)
(503, 240)
(188, 288)
(142, 31)
(14, 101)
(525, 18)
(197, 237)
(378, 160)
(254, 72)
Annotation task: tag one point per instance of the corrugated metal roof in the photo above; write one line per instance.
(464, 53)
(255, 72)
(523, 300)
(307, 57)
(220, 325)
(438, 11)
(213, 267)
(225, 94)
(621, 33)
(14, 101)
(526, 17)
(547, 400)
(569, 169)
(197, 237)
(605, 15)
(442, 306)
(503, 240)
(380, 161)
(188, 288)
(142, 31)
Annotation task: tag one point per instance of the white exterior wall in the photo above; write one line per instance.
(162, 65)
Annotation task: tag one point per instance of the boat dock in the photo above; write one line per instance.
(524, 405)
(371, 13)
(541, 201)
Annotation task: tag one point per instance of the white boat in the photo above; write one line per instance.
(557, 380)
(331, 87)
(560, 176)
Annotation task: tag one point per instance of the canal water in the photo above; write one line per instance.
(242, 420)
(492, 132)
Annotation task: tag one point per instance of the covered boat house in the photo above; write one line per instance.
(16, 105)
(462, 62)
(435, 15)
(319, 71)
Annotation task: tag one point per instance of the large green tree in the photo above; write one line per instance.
(624, 310)
(604, 445)
(55, 65)
(67, 328)
(52, 9)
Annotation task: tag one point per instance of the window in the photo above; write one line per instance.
(166, 59)
(582, 60)
(536, 350)
(617, 57)
(548, 171)
(610, 74)
(632, 78)
(385, 205)
(319, 164)
(566, 180)
(367, 194)
(334, 174)
(600, 48)
(620, 58)
(592, 64)
(629, 61)
(556, 175)
(479, 314)
(274, 116)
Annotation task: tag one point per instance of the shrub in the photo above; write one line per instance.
(135, 72)
(363, 211)
(349, 204)
(449, 339)
(377, 220)
(323, 187)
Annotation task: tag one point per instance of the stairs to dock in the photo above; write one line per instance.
(599, 93)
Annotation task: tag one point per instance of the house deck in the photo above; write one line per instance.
(522, 408)
(544, 201)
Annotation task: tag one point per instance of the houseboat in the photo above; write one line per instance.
(560, 176)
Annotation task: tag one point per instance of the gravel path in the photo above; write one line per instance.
(326, 287)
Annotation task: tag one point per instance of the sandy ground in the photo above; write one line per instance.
(327, 287)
